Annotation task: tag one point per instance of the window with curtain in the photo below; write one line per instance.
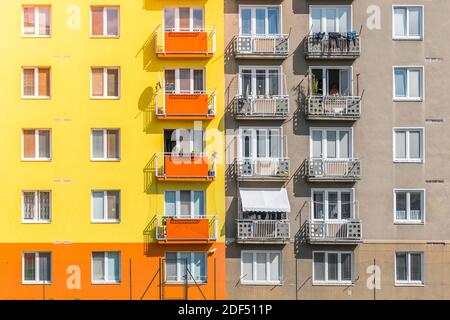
(408, 145)
(261, 82)
(409, 268)
(184, 203)
(261, 267)
(36, 21)
(105, 144)
(184, 81)
(408, 83)
(331, 143)
(182, 265)
(332, 204)
(330, 19)
(36, 206)
(183, 19)
(261, 143)
(104, 21)
(36, 82)
(409, 206)
(106, 267)
(260, 20)
(36, 144)
(408, 22)
(105, 206)
(105, 82)
(37, 267)
(332, 267)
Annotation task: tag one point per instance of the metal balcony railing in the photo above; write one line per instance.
(332, 169)
(263, 230)
(334, 231)
(195, 166)
(333, 107)
(270, 45)
(185, 42)
(333, 45)
(263, 168)
(185, 104)
(261, 107)
(202, 228)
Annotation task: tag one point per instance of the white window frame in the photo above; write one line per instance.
(408, 219)
(422, 22)
(191, 79)
(326, 84)
(179, 275)
(177, 19)
(254, 154)
(105, 206)
(409, 282)
(253, 69)
(105, 84)
(338, 282)
(323, 17)
(339, 191)
(177, 203)
(422, 83)
(36, 21)
(253, 19)
(36, 218)
(105, 145)
(422, 144)
(36, 83)
(105, 257)
(36, 145)
(105, 22)
(254, 266)
(324, 140)
(37, 265)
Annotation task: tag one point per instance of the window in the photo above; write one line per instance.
(105, 144)
(36, 206)
(105, 22)
(105, 82)
(408, 145)
(409, 206)
(260, 20)
(183, 19)
(333, 204)
(105, 267)
(331, 81)
(36, 144)
(261, 267)
(260, 81)
(36, 82)
(331, 143)
(184, 203)
(261, 143)
(182, 265)
(106, 206)
(409, 268)
(36, 21)
(36, 267)
(408, 22)
(330, 18)
(408, 83)
(191, 81)
(332, 267)
(184, 141)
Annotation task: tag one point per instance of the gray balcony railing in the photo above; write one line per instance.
(333, 107)
(332, 169)
(273, 107)
(334, 231)
(263, 230)
(333, 45)
(271, 45)
(265, 168)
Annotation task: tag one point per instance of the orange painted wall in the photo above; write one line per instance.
(145, 261)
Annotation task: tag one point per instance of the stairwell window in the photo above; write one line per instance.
(407, 22)
(105, 144)
(104, 22)
(192, 266)
(409, 145)
(36, 82)
(332, 268)
(183, 19)
(409, 206)
(105, 206)
(36, 268)
(36, 206)
(106, 267)
(408, 83)
(36, 144)
(259, 20)
(36, 21)
(261, 267)
(409, 268)
(105, 82)
(184, 203)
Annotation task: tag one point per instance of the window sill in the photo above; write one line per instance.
(36, 98)
(409, 161)
(105, 222)
(411, 38)
(104, 37)
(35, 36)
(411, 284)
(36, 282)
(337, 284)
(411, 223)
(105, 160)
(105, 98)
(36, 222)
(106, 282)
(190, 283)
(408, 99)
(36, 160)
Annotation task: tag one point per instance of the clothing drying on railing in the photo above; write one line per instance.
(334, 38)
(318, 35)
(351, 37)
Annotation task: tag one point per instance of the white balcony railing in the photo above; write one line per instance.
(263, 230)
(326, 168)
(335, 231)
(274, 45)
(264, 107)
(263, 168)
(332, 107)
(333, 44)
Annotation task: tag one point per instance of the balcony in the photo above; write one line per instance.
(332, 45)
(332, 170)
(185, 106)
(273, 169)
(185, 43)
(346, 108)
(334, 232)
(186, 229)
(261, 108)
(185, 167)
(263, 231)
(262, 46)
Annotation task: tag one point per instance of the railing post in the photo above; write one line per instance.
(156, 164)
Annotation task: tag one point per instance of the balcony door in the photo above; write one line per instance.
(260, 82)
(260, 143)
(184, 141)
(332, 205)
(184, 81)
(183, 19)
(187, 204)
(331, 144)
(330, 18)
(331, 81)
(259, 20)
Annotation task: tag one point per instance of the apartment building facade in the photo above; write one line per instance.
(336, 148)
(114, 177)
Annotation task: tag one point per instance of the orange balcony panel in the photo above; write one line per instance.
(187, 229)
(185, 44)
(186, 167)
(186, 106)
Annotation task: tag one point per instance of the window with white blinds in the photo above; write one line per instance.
(184, 203)
(332, 267)
(36, 21)
(105, 206)
(105, 144)
(106, 267)
(36, 144)
(408, 144)
(409, 268)
(263, 267)
(182, 265)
